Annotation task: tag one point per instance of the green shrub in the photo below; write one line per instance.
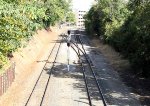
(133, 39)
(106, 17)
(124, 26)
(19, 19)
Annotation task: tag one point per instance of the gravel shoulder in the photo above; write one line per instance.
(138, 85)
(113, 88)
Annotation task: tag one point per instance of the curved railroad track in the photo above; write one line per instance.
(87, 69)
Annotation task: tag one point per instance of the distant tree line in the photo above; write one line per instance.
(125, 26)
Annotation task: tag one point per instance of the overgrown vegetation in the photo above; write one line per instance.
(125, 26)
(19, 19)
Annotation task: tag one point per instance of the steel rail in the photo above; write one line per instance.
(84, 75)
(96, 80)
(50, 74)
(39, 76)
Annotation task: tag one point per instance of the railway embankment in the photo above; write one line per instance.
(28, 61)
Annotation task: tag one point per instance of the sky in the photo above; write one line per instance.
(82, 4)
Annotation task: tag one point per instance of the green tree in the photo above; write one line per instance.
(19, 19)
(125, 27)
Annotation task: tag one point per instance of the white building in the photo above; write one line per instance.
(81, 7)
(79, 18)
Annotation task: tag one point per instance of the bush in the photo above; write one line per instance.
(133, 39)
(105, 17)
(124, 26)
(20, 19)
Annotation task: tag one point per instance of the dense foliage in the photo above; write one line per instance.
(20, 18)
(106, 16)
(125, 26)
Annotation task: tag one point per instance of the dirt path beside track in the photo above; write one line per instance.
(139, 85)
(28, 67)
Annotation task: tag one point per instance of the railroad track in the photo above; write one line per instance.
(49, 65)
(89, 74)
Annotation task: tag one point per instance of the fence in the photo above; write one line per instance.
(7, 78)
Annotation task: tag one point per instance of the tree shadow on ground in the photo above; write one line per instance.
(138, 85)
(60, 70)
(113, 97)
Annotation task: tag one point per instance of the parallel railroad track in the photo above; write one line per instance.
(89, 75)
(54, 52)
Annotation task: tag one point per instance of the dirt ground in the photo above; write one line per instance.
(139, 85)
(26, 64)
